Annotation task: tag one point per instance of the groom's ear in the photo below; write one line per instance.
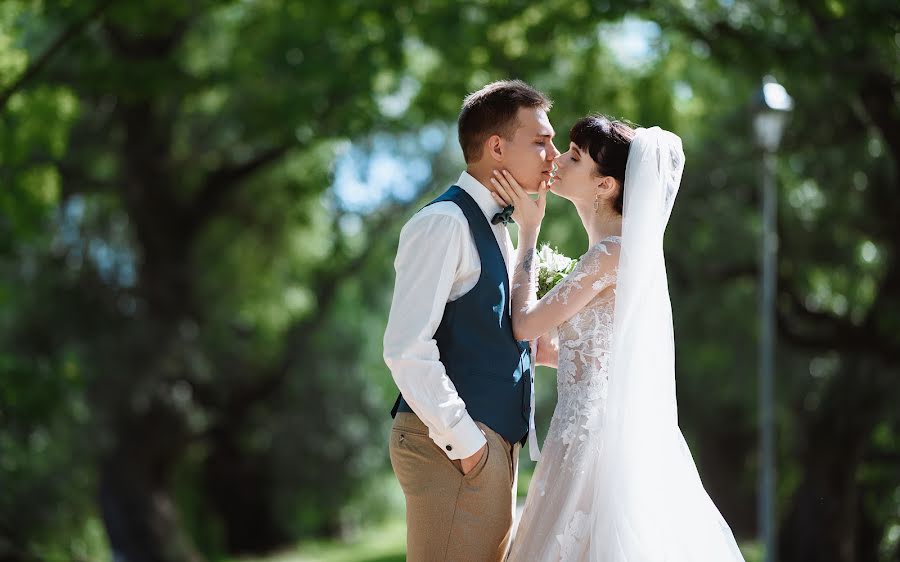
(494, 147)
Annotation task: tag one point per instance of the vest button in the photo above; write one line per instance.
(449, 447)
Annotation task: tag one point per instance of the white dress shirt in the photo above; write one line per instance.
(437, 262)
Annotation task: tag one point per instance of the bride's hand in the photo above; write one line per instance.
(528, 212)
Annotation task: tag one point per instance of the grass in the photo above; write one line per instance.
(386, 543)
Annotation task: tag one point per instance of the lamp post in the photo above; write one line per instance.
(771, 105)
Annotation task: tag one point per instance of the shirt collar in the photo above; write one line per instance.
(480, 193)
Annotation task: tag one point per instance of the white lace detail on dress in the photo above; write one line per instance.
(571, 538)
(583, 370)
(561, 490)
(586, 266)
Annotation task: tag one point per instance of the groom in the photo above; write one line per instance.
(465, 382)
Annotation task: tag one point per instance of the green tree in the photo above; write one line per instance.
(192, 317)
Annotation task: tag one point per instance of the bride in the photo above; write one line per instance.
(616, 481)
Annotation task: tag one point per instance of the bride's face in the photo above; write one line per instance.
(576, 175)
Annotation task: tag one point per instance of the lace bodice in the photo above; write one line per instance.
(585, 338)
(584, 345)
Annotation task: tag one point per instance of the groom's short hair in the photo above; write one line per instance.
(492, 110)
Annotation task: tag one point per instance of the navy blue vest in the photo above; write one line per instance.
(489, 368)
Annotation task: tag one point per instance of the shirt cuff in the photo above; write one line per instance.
(463, 441)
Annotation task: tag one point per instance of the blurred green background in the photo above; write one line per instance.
(199, 207)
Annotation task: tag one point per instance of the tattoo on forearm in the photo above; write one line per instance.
(525, 286)
(528, 262)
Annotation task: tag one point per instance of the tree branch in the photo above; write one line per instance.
(878, 95)
(821, 331)
(144, 46)
(327, 283)
(876, 88)
(68, 35)
(221, 183)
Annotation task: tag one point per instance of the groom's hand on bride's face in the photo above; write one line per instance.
(467, 464)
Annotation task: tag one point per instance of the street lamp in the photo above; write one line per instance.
(771, 105)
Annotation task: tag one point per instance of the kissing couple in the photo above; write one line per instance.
(616, 481)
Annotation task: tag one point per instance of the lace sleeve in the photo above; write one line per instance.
(594, 272)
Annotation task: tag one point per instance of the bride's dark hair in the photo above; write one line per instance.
(607, 141)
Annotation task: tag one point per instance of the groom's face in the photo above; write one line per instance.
(529, 154)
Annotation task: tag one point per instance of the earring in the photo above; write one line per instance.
(597, 202)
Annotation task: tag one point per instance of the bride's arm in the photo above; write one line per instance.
(524, 282)
(547, 352)
(524, 290)
(593, 273)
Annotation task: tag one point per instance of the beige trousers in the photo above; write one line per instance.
(451, 517)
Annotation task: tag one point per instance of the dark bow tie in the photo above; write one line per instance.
(504, 216)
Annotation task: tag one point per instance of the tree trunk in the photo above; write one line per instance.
(822, 522)
(140, 517)
(868, 538)
(239, 488)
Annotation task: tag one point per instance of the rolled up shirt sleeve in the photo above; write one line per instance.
(428, 259)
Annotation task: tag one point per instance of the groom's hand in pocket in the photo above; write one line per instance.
(468, 463)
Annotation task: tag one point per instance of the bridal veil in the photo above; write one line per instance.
(649, 504)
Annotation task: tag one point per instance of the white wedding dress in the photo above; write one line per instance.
(616, 481)
(554, 521)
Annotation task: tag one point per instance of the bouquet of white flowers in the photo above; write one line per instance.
(552, 267)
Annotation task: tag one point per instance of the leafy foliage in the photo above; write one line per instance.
(192, 307)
